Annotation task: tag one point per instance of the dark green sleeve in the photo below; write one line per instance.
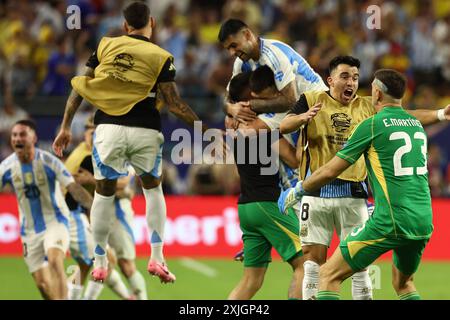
(359, 141)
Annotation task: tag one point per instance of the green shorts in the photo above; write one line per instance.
(264, 227)
(365, 244)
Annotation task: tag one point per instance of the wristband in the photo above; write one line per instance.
(441, 115)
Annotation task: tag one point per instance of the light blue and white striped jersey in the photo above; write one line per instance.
(37, 187)
(287, 65)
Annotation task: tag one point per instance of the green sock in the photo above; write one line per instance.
(410, 296)
(328, 295)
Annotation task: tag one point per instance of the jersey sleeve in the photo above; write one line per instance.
(359, 141)
(282, 68)
(5, 175)
(168, 72)
(93, 60)
(301, 106)
(62, 174)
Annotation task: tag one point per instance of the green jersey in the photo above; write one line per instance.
(394, 145)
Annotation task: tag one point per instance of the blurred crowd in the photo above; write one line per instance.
(39, 55)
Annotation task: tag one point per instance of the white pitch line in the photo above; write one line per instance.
(199, 267)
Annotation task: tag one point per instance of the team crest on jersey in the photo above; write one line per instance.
(28, 176)
(123, 62)
(340, 122)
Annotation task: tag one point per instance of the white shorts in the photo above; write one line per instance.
(272, 119)
(81, 239)
(320, 216)
(121, 238)
(116, 147)
(36, 246)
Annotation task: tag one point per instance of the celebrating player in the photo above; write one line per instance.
(394, 145)
(292, 74)
(341, 204)
(258, 213)
(36, 176)
(122, 79)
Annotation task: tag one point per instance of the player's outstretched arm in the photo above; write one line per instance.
(280, 103)
(240, 110)
(287, 153)
(427, 117)
(325, 174)
(292, 122)
(80, 195)
(176, 105)
(64, 136)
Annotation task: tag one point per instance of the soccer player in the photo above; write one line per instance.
(36, 176)
(341, 204)
(261, 227)
(394, 145)
(122, 79)
(260, 84)
(79, 164)
(292, 74)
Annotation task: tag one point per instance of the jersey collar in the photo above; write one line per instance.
(139, 37)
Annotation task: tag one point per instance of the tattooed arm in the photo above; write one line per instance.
(80, 195)
(176, 105)
(64, 136)
(280, 103)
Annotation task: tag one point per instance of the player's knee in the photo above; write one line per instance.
(150, 182)
(106, 187)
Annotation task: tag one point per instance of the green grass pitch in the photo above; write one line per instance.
(208, 279)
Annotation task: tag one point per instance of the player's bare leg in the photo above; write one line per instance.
(295, 288)
(249, 285)
(102, 218)
(156, 220)
(331, 275)
(314, 256)
(42, 278)
(56, 264)
(404, 285)
(134, 277)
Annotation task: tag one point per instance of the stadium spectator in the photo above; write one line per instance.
(61, 67)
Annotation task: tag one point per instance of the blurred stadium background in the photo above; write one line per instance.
(39, 55)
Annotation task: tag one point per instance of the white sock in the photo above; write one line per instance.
(310, 280)
(114, 281)
(362, 286)
(93, 290)
(137, 284)
(156, 220)
(75, 291)
(102, 219)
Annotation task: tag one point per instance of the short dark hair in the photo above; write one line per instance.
(137, 14)
(26, 122)
(230, 27)
(394, 81)
(349, 60)
(261, 78)
(238, 84)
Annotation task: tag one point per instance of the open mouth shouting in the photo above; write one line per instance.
(348, 93)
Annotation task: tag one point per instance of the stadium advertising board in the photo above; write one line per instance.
(203, 227)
